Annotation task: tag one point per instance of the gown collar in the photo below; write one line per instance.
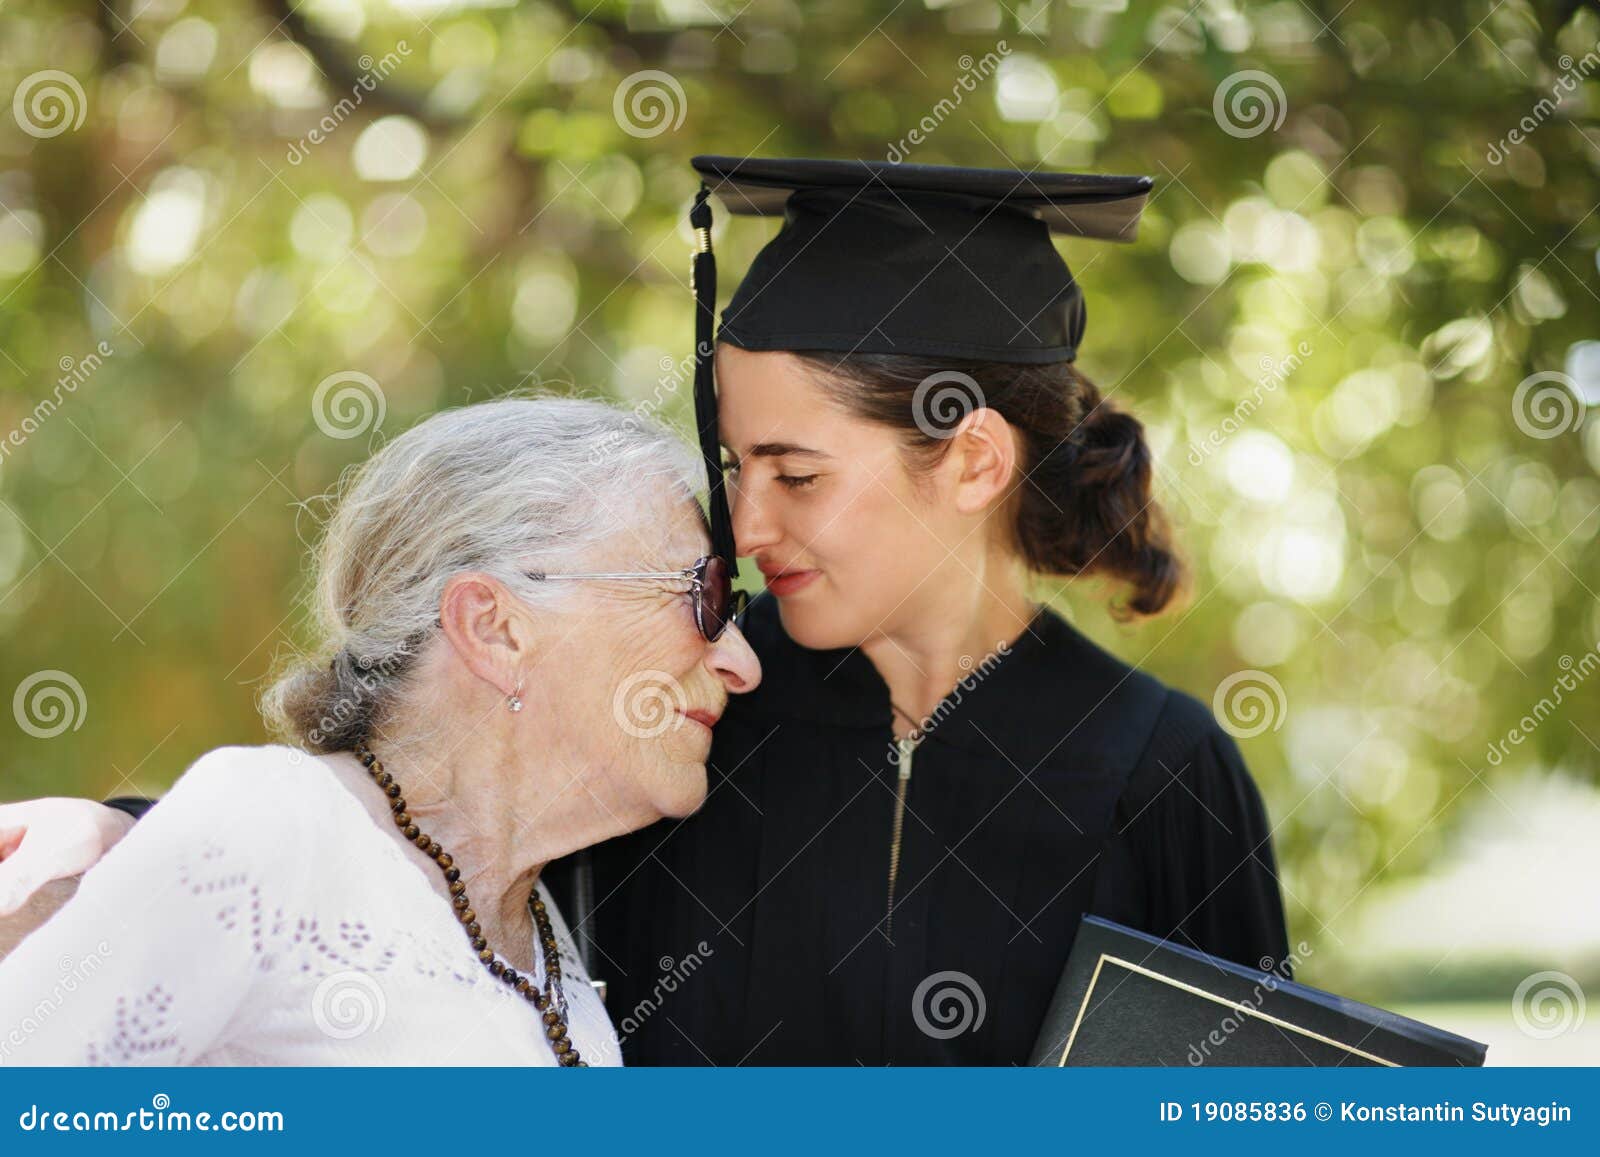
(1020, 705)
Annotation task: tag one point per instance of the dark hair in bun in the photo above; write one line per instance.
(1084, 502)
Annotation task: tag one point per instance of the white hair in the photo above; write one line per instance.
(498, 487)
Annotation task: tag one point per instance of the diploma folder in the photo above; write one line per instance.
(1128, 998)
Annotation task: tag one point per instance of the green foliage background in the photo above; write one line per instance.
(1381, 535)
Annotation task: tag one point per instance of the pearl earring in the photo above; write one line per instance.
(515, 702)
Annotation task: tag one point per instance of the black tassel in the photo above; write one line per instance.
(703, 276)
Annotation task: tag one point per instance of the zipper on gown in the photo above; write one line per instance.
(906, 746)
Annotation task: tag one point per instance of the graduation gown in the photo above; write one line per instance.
(1057, 781)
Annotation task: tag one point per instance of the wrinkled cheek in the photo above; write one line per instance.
(684, 787)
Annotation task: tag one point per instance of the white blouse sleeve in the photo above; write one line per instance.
(160, 946)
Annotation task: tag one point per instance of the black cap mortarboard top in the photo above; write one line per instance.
(875, 257)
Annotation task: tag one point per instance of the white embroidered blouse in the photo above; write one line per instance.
(222, 933)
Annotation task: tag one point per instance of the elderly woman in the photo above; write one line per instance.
(524, 651)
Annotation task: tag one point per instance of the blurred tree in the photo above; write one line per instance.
(239, 243)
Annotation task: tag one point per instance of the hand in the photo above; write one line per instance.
(50, 839)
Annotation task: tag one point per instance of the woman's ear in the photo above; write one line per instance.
(984, 456)
(483, 622)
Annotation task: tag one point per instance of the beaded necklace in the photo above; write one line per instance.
(552, 1001)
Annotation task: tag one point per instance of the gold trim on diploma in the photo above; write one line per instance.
(1211, 996)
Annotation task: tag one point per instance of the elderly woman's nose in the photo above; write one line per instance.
(731, 658)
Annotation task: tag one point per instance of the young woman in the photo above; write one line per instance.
(938, 776)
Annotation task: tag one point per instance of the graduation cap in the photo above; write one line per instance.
(883, 258)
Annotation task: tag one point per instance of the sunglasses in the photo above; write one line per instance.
(716, 603)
